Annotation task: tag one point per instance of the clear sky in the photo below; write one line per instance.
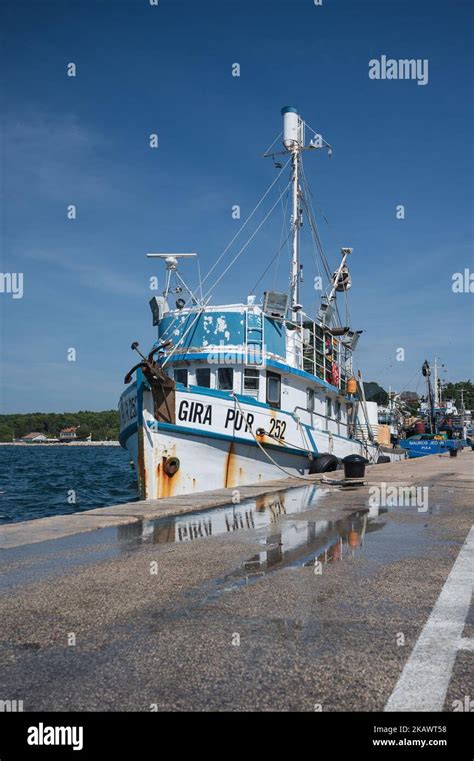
(167, 69)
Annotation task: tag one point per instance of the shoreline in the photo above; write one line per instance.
(406, 472)
(60, 444)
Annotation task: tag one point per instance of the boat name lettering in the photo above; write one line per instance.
(277, 428)
(235, 420)
(195, 412)
(128, 409)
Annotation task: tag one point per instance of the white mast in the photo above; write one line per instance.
(436, 382)
(293, 140)
(295, 259)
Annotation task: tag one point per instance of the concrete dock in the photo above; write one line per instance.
(292, 595)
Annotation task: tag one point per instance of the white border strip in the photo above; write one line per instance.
(424, 681)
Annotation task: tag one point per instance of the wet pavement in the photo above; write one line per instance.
(305, 599)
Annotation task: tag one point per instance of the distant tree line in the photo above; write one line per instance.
(454, 391)
(103, 426)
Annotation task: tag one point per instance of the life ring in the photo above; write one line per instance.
(343, 282)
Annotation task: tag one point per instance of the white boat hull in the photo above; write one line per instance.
(215, 450)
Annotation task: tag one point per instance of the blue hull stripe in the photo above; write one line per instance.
(126, 433)
(222, 437)
(131, 429)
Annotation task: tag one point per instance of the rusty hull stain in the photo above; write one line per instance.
(142, 479)
(167, 485)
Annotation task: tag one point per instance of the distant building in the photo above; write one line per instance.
(34, 436)
(410, 398)
(68, 434)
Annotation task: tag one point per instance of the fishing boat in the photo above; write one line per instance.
(439, 439)
(255, 390)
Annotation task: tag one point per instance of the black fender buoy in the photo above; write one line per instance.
(382, 458)
(324, 463)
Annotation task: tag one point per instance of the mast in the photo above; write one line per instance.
(436, 399)
(295, 259)
(293, 140)
(294, 143)
(426, 370)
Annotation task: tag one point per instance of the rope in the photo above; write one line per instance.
(283, 470)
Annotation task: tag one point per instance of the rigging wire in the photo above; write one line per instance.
(312, 222)
(203, 280)
(267, 152)
(306, 199)
(207, 296)
(242, 249)
(246, 221)
(284, 212)
(270, 264)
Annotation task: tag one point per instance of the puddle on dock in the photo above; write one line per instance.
(270, 520)
(301, 544)
(30, 561)
(252, 514)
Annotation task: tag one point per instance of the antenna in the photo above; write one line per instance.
(171, 261)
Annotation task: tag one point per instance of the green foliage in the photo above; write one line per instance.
(102, 425)
(453, 391)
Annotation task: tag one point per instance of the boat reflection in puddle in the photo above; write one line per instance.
(302, 544)
(253, 514)
(310, 543)
(287, 541)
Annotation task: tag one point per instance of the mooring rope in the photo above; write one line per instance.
(249, 426)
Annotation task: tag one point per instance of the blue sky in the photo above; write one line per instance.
(167, 70)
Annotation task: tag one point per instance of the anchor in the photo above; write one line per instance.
(162, 386)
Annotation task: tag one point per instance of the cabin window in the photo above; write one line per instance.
(203, 377)
(310, 399)
(225, 378)
(337, 410)
(251, 381)
(328, 407)
(181, 376)
(273, 389)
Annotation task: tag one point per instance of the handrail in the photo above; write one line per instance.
(319, 414)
